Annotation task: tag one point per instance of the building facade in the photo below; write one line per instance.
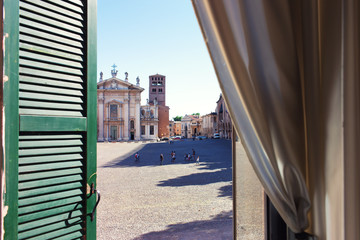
(191, 126)
(149, 117)
(175, 128)
(157, 95)
(209, 124)
(224, 124)
(118, 108)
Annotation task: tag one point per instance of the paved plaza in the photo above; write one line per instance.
(180, 200)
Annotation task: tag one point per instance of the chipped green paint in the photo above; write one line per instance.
(91, 113)
(11, 107)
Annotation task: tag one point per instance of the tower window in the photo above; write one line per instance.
(153, 90)
(160, 90)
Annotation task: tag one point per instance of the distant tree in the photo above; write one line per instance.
(198, 114)
(177, 118)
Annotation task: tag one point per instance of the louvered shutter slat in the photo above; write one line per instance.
(46, 89)
(46, 50)
(49, 97)
(60, 218)
(67, 5)
(48, 82)
(49, 59)
(45, 175)
(54, 8)
(51, 75)
(49, 41)
(48, 205)
(49, 182)
(47, 105)
(58, 16)
(46, 159)
(49, 197)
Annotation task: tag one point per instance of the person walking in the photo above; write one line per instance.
(161, 159)
(173, 157)
(198, 160)
(137, 157)
(193, 152)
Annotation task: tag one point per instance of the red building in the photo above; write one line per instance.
(157, 93)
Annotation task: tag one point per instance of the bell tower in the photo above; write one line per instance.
(157, 90)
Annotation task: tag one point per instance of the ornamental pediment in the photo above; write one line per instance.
(117, 84)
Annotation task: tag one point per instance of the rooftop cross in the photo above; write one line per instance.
(114, 66)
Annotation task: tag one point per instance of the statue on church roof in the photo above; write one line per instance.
(137, 81)
(101, 76)
(126, 76)
(114, 71)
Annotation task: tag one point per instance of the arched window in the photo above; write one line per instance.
(132, 124)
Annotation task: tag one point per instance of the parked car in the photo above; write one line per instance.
(164, 139)
(175, 138)
(200, 137)
(216, 136)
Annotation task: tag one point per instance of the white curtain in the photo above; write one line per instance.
(289, 72)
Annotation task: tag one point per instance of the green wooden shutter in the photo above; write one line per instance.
(50, 118)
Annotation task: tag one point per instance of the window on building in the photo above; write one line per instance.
(142, 130)
(132, 124)
(154, 83)
(153, 90)
(113, 111)
(159, 83)
(151, 130)
(160, 90)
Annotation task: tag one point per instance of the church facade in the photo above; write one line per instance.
(119, 104)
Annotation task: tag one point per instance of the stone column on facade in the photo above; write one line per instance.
(106, 118)
(126, 119)
(137, 118)
(156, 130)
(100, 118)
(120, 122)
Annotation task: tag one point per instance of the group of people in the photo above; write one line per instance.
(187, 157)
(172, 156)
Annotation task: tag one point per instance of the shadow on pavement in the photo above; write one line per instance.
(218, 227)
(214, 154)
(215, 160)
(226, 191)
(223, 175)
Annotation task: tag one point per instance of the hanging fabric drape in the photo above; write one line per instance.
(281, 66)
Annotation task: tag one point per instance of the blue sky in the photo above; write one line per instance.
(145, 37)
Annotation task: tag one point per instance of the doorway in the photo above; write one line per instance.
(113, 133)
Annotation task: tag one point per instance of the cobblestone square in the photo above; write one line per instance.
(180, 200)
